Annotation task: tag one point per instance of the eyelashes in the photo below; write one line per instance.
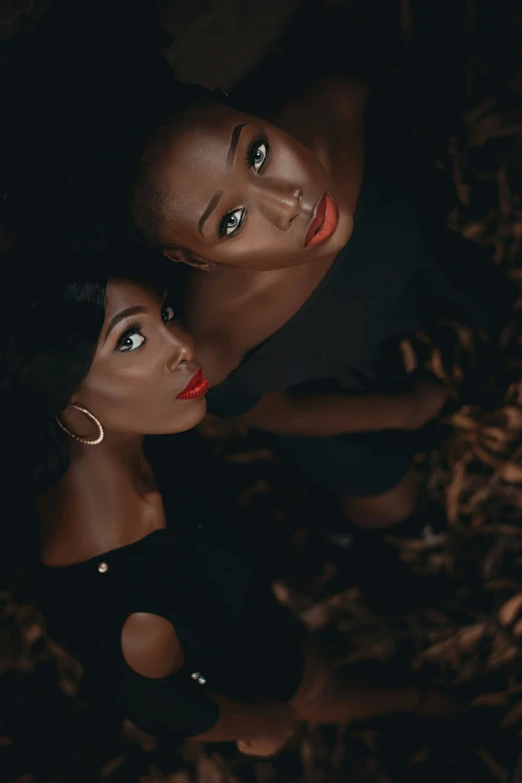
(126, 343)
(257, 153)
(256, 157)
(133, 337)
(231, 222)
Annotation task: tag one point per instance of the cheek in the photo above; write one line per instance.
(289, 164)
(113, 390)
(260, 247)
(139, 399)
(298, 161)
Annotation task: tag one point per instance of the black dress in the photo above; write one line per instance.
(237, 640)
(398, 273)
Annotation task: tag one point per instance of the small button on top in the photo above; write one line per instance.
(198, 677)
(103, 567)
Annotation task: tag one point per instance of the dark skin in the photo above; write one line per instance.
(108, 498)
(242, 225)
(143, 360)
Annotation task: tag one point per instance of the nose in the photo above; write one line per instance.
(181, 348)
(280, 202)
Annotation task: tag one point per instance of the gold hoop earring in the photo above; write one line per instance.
(92, 417)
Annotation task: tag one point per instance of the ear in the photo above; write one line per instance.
(180, 255)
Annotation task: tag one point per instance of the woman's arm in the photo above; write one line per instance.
(157, 701)
(272, 723)
(324, 415)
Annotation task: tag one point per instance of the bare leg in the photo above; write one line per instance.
(386, 582)
(324, 696)
(389, 508)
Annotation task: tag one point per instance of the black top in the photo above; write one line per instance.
(396, 274)
(236, 639)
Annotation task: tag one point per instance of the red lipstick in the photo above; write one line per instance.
(323, 223)
(197, 387)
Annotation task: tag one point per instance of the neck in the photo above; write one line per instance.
(118, 452)
(244, 279)
(97, 505)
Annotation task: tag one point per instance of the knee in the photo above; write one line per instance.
(376, 516)
(382, 511)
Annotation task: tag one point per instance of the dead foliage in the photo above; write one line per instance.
(470, 641)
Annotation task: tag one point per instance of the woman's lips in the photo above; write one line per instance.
(324, 222)
(196, 387)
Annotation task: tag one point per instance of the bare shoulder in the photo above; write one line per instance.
(151, 646)
(65, 525)
(82, 516)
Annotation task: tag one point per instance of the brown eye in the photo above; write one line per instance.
(131, 339)
(131, 343)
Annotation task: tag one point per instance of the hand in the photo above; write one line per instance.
(281, 721)
(426, 401)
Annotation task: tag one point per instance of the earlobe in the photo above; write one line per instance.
(181, 256)
(201, 263)
(174, 255)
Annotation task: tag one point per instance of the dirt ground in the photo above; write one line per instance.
(461, 65)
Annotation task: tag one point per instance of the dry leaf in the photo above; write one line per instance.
(509, 611)
(208, 771)
(490, 700)
(503, 652)
(496, 769)
(470, 637)
(446, 653)
(511, 472)
(409, 357)
(513, 716)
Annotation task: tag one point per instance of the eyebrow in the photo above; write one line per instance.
(216, 198)
(115, 320)
(234, 141)
(214, 201)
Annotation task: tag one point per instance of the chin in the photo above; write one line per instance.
(196, 410)
(189, 416)
(344, 230)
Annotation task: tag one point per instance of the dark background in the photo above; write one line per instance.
(456, 69)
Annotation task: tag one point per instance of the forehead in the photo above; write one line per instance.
(190, 165)
(123, 293)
